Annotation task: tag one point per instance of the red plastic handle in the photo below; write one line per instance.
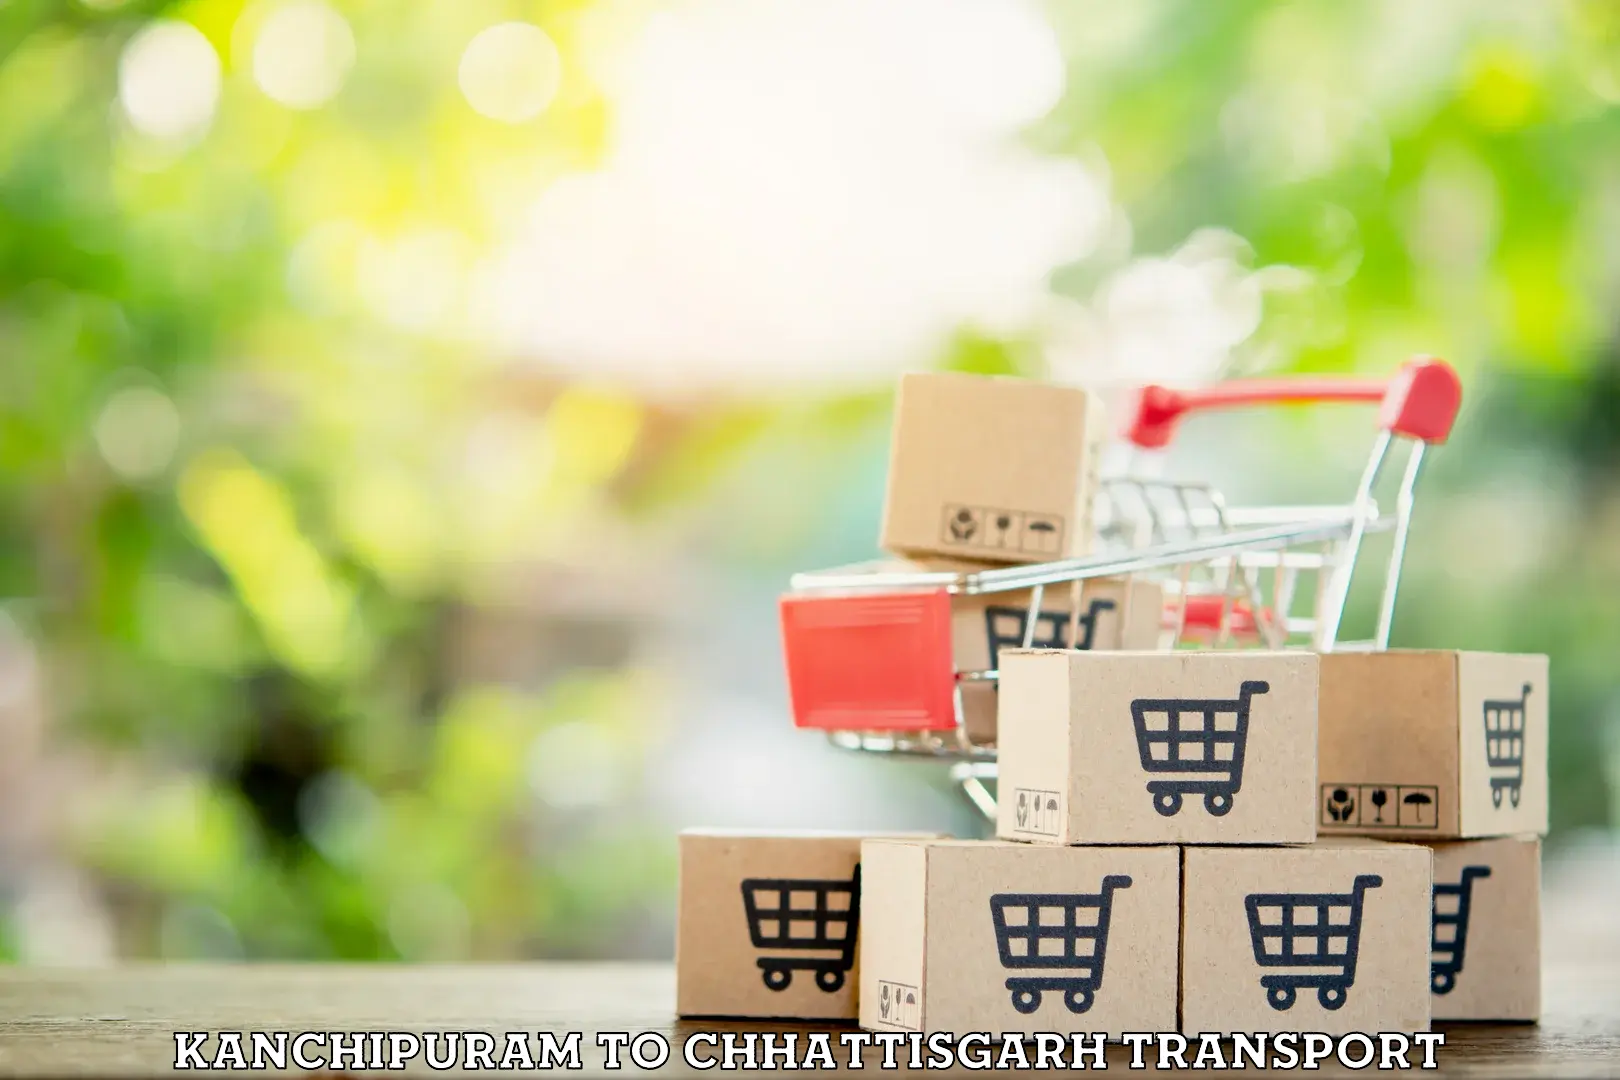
(1419, 401)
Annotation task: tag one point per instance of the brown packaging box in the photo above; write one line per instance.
(985, 936)
(735, 953)
(1419, 745)
(991, 468)
(1486, 961)
(1330, 937)
(1193, 747)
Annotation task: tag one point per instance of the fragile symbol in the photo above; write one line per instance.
(1340, 805)
(1448, 936)
(897, 1004)
(1076, 928)
(1201, 739)
(808, 915)
(1504, 746)
(1317, 931)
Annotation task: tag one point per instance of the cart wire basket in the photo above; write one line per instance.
(1504, 746)
(1449, 936)
(1194, 738)
(1319, 934)
(804, 915)
(869, 652)
(1060, 933)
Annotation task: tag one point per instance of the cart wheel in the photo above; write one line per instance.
(1442, 982)
(1218, 803)
(1513, 793)
(1331, 997)
(1167, 803)
(829, 979)
(1496, 796)
(1281, 997)
(1078, 1000)
(778, 978)
(1026, 1001)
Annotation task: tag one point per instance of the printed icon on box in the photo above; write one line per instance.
(1504, 746)
(1319, 933)
(1341, 805)
(1043, 535)
(1449, 936)
(804, 915)
(1037, 811)
(1201, 739)
(1380, 799)
(1006, 626)
(1003, 530)
(897, 1004)
(963, 524)
(1417, 808)
(1060, 933)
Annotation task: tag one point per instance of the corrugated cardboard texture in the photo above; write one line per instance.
(1092, 733)
(1403, 750)
(969, 960)
(1486, 961)
(1502, 710)
(717, 963)
(895, 874)
(991, 468)
(1221, 982)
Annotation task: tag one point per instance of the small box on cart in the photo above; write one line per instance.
(767, 924)
(1196, 747)
(1420, 745)
(1486, 938)
(1330, 937)
(992, 468)
(966, 936)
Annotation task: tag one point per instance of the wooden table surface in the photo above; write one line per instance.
(120, 1021)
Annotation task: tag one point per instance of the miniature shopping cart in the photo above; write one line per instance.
(1504, 746)
(1066, 935)
(869, 651)
(1201, 741)
(804, 915)
(1319, 933)
(1446, 956)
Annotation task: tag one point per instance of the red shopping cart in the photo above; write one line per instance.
(804, 915)
(1317, 933)
(869, 653)
(1060, 933)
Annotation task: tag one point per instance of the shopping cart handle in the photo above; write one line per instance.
(1419, 401)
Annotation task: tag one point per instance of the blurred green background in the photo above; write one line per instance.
(410, 411)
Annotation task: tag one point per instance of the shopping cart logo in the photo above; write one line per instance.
(1063, 936)
(803, 915)
(1449, 937)
(1504, 746)
(1198, 743)
(898, 1005)
(1006, 627)
(1318, 934)
(1038, 812)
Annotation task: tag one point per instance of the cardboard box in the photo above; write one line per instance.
(1486, 941)
(1202, 747)
(1418, 745)
(991, 468)
(735, 953)
(985, 936)
(1330, 937)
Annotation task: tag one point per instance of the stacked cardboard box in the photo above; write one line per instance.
(1157, 864)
